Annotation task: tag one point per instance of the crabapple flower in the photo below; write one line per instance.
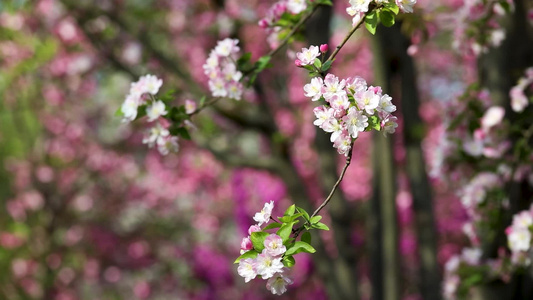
(385, 105)
(368, 101)
(246, 244)
(129, 108)
(167, 144)
(522, 220)
(332, 86)
(222, 72)
(157, 132)
(156, 110)
(492, 117)
(308, 56)
(519, 100)
(313, 90)
(152, 84)
(296, 6)
(406, 6)
(389, 125)
(322, 114)
(277, 284)
(246, 269)
(343, 143)
(267, 265)
(190, 106)
(274, 245)
(264, 215)
(359, 6)
(355, 122)
(227, 47)
(519, 240)
(324, 48)
(253, 228)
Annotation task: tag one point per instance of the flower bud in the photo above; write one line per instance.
(246, 244)
(298, 63)
(253, 228)
(324, 48)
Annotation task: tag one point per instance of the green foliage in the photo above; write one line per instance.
(298, 247)
(258, 240)
(247, 254)
(371, 22)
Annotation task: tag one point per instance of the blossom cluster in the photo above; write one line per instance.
(519, 100)
(468, 37)
(476, 191)
(142, 94)
(268, 264)
(452, 276)
(221, 69)
(519, 237)
(358, 8)
(274, 15)
(351, 107)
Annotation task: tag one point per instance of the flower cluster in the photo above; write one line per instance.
(220, 67)
(268, 264)
(476, 39)
(351, 107)
(275, 13)
(469, 258)
(476, 191)
(141, 97)
(519, 100)
(519, 237)
(358, 8)
(141, 91)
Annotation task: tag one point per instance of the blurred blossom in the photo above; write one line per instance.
(112, 274)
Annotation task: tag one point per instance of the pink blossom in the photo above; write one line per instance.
(274, 245)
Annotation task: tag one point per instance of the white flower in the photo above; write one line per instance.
(190, 106)
(227, 47)
(368, 101)
(519, 240)
(296, 6)
(274, 245)
(452, 264)
(471, 255)
(129, 108)
(358, 6)
(333, 86)
(493, 116)
(355, 122)
(406, 6)
(264, 215)
(339, 102)
(155, 133)
(167, 145)
(389, 125)
(322, 115)
(278, 284)
(155, 110)
(307, 56)
(343, 143)
(218, 87)
(522, 220)
(152, 84)
(246, 269)
(385, 104)
(314, 89)
(267, 266)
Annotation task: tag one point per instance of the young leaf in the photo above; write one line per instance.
(247, 254)
(296, 216)
(315, 219)
(119, 113)
(299, 247)
(272, 225)
(320, 226)
(392, 7)
(387, 18)
(305, 214)
(290, 210)
(288, 261)
(258, 239)
(318, 64)
(371, 22)
(306, 237)
(285, 231)
(326, 66)
(262, 63)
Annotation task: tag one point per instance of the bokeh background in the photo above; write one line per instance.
(89, 212)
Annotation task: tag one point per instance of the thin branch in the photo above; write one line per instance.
(348, 36)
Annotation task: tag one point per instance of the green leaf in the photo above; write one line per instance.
(272, 225)
(119, 113)
(288, 261)
(386, 17)
(202, 101)
(306, 237)
(320, 226)
(285, 219)
(290, 210)
(392, 7)
(285, 231)
(247, 254)
(262, 63)
(184, 133)
(325, 2)
(371, 22)
(318, 64)
(243, 62)
(315, 219)
(258, 240)
(374, 123)
(305, 214)
(296, 216)
(326, 65)
(299, 247)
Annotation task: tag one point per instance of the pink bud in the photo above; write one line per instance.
(263, 23)
(246, 244)
(253, 228)
(324, 48)
(298, 63)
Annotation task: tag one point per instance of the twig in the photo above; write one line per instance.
(348, 36)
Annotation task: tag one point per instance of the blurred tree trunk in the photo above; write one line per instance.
(499, 71)
(343, 267)
(383, 244)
